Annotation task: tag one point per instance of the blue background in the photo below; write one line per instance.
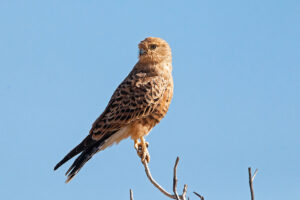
(236, 68)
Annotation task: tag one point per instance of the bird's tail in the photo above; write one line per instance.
(87, 153)
(88, 141)
(82, 159)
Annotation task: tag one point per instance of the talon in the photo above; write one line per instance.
(141, 150)
(146, 156)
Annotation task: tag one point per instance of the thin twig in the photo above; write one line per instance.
(184, 191)
(201, 197)
(148, 173)
(175, 179)
(160, 188)
(251, 179)
(254, 175)
(131, 194)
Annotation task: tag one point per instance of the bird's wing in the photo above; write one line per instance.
(136, 97)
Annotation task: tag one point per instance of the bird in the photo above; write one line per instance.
(137, 105)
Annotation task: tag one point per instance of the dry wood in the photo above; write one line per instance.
(251, 179)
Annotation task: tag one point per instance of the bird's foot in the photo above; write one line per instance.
(142, 150)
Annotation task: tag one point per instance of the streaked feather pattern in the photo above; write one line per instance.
(137, 105)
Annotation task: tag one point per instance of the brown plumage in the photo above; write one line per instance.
(137, 105)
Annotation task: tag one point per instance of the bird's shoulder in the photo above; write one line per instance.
(136, 97)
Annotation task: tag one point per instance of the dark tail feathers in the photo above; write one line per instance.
(88, 141)
(85, 156)
(88, 147)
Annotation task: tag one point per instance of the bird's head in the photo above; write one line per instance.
(154, 50)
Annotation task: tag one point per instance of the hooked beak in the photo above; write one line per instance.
(142, 52)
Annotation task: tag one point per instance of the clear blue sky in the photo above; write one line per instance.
(236, 67)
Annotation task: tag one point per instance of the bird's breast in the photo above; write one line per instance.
(163, 106)
(143, 126)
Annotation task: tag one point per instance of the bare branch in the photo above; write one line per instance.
(184, 191)
(148, 173)
(175, 179)
(160, 188)
(251, 179)
(198, 195)
(254, 175)
(131, 194)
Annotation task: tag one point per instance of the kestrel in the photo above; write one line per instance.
(137, 105)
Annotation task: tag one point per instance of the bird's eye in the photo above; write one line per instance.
(153, 46)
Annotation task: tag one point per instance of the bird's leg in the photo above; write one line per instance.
(138, 147)
(145, 156)
(136, 144)
(142, 149)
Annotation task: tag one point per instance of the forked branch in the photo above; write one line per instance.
(160, 188)
(175, 180)
(251, 179)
